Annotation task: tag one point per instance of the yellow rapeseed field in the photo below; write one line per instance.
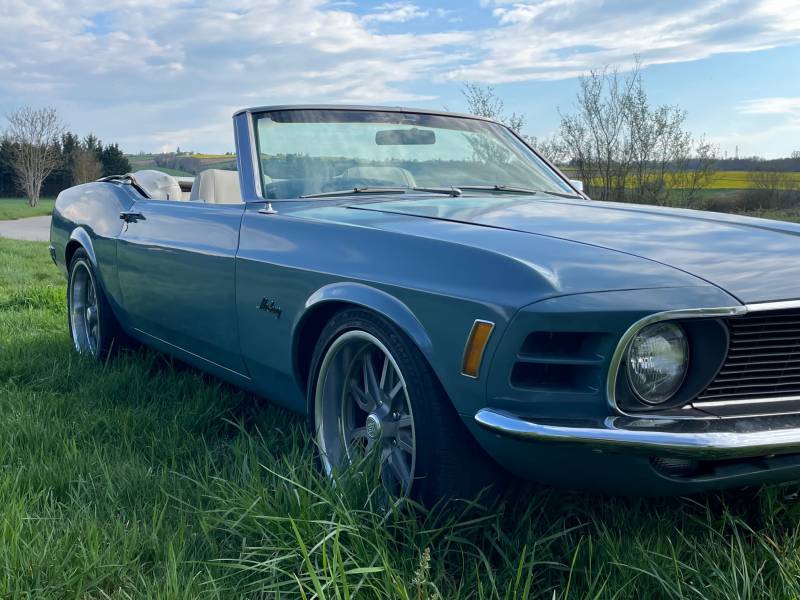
(741, 180)
(727, 180)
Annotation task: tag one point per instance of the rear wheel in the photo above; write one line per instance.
(92, 326)
(371, 390)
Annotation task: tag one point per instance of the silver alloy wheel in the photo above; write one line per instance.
(361, 405)
(83, 309)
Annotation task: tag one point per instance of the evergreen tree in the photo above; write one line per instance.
(8, 185)
(114, 161)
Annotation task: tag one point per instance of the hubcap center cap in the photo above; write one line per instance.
(373, 426)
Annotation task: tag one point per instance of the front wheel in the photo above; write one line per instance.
(372, 390)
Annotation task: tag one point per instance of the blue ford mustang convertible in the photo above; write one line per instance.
(424, 286)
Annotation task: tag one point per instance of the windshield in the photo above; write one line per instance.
(308, 152)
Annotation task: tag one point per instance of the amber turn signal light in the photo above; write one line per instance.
(476, 344)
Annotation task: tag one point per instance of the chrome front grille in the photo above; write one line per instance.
(763, 361)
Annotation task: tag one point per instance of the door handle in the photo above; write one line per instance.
(131, 216)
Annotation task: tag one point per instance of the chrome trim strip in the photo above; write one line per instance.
(781, 305)
(706, 439)
(362, 108)
(701, 404)
(466, 346)
(254, 154)
(668, 315)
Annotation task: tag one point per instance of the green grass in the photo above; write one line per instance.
(17, 208)
(141, 478)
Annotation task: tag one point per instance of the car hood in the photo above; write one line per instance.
(754, 260)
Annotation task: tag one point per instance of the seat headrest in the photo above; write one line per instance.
(217, 186)
(158, 185)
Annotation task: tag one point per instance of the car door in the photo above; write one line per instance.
(177, 271)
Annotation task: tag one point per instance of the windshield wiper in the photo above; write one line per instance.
(357, 190)
(509, 189)
(450, 191)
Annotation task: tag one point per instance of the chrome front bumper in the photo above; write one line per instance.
(699, 439)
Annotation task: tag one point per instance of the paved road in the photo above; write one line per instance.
(34, 229)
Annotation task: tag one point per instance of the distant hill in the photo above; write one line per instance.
(184, 164)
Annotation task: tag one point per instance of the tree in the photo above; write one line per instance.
(626, 149)
(34, 135)
(8, 176)
(551, 148)
(114, 161)
(771, 189)
(85, 166)
(62, 176)
(695, 173)
(483, 102)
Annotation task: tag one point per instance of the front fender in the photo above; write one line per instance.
(370, 298)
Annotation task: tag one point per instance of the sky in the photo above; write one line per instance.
(154, 75)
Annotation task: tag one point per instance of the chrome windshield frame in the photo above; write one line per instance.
(253, 114)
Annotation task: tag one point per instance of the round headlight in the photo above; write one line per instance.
(658, 357)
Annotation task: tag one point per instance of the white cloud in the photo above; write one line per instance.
(163, 69)
(396, 12)
(772, 106)
(557, 39)
(147, 72)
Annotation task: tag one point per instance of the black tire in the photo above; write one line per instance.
(449, 462)
(108, 335)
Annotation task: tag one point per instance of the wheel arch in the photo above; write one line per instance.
(80, 238)
(330, 299)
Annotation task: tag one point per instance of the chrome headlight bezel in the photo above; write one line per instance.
(672, 338)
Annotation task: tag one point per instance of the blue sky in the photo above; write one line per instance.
(156, 74)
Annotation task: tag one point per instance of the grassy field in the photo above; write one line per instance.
(17, 208)
(141, 478)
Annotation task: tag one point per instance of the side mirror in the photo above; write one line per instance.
(578, 185)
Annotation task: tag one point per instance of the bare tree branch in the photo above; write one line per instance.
(623, 148)
(85, 166)
(34, 134)
(484, 102)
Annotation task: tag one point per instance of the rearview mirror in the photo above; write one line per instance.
(405, 137)
(578, 185)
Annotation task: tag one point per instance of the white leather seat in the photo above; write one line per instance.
(158, 185)
(395, 175)
(216, 186)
